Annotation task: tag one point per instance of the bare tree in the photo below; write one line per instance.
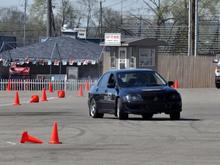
(67, 13)
(38, 11)
(111, 20)
(89, 7)
(161, 10)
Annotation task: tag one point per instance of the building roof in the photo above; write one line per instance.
(141, 42)
(57, 48)
(152, 42)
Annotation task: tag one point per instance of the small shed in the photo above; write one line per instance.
(131, 53)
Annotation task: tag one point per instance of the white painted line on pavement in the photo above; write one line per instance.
(12, 143)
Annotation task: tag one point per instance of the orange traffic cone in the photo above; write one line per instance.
(28, 138)
(54, 135)
(50, 87)
(61, 93)
(44, 95)
(87, 86)
(80, 92)
(17, 100)
(176, 84)
(8, 88)
(34, 99)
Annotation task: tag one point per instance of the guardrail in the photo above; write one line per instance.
(37, 85)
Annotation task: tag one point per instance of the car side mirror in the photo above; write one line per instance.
(111, 85)
(170, 83)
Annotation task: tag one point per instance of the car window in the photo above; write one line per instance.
(104, 80)
(112, 79)
(139, 79)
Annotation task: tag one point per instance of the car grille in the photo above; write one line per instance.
(158, 102)
(157, 97)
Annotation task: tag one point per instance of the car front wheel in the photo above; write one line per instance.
(120, 114)
(217, 85)
(175, 116)
(93, 111)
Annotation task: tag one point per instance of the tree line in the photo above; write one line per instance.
(86, 13)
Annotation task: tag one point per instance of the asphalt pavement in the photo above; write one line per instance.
(195, 139)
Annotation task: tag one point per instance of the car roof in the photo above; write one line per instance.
(128, 70)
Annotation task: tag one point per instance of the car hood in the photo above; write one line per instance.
(142, 90)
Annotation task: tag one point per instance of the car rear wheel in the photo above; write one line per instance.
(120, 114)
(175, 116)
(93, 111)
(217, 85)
(147, 116)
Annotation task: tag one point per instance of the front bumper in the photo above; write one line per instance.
(154, 108)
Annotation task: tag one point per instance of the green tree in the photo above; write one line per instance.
(11, 23)
(37, 20)
(38, 11)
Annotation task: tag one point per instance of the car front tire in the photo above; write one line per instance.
(175, 116)
(93, 111)
(217, 85)
(120, 114)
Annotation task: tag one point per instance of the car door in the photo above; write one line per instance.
(100, 90)
(110, 95)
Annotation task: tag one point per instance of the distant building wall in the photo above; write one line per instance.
(132, 58)
(106, 62)
(84, 71)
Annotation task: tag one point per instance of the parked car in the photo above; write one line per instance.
(217, 72)
(134, 91)
(217, 76)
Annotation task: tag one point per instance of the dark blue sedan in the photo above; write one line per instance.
(134, 91)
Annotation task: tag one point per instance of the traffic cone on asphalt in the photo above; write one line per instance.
(44, 95)
(28, 138)
(50, 87)
(17, 100)
(34, 99)
(87, 86)
(61, 93)
(54, 135)
(176, 84)
(80, 92)
(8, 88)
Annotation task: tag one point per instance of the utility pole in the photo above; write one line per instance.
(25, 15)
(190, 29)
(100, 20)
(121, 12)
(217, 35)
(196, 29)
(49, 18)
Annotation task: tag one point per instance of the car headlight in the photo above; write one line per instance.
(133, 98)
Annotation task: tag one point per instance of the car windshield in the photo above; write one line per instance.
(140, 79)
